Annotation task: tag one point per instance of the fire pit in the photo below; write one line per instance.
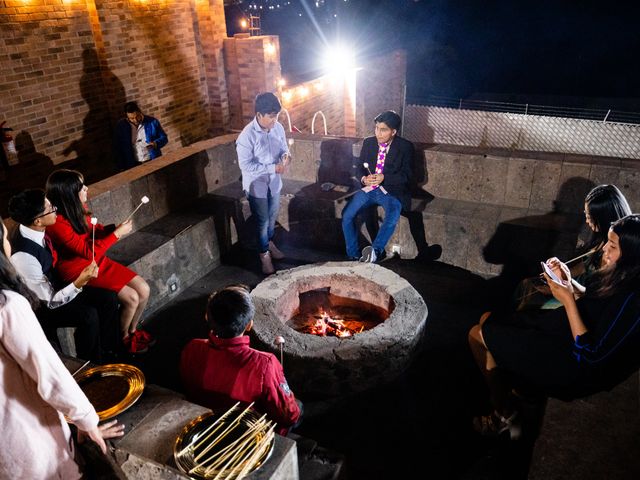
(383, 316)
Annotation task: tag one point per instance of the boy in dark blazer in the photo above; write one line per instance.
(385, 172)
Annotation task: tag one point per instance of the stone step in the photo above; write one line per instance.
(170, 254)
(316, 462)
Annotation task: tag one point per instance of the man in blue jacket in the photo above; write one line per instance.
(138, 138)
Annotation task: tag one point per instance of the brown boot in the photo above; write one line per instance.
(267, 266)
(275, 253)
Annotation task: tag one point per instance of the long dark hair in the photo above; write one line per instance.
(63, 188)
(625, 273)
(605, 204)
(9, 278)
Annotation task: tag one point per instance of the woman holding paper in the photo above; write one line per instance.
(603, 205)
(78, 240)
(36, 390)
(589, 345)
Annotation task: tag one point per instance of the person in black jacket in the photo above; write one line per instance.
(385, 172)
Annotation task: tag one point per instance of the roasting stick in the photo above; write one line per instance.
(234, 459)
(245, 457)
(227, 464)
(94, 222)
(143, 200)
(590, 252)
(250, 459)
(221, 436)
(263, 446)
(258, 425)
(78, 370)
(366, 165)
(280, 341)
(223, 416)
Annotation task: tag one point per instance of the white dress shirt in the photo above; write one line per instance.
(30, 270)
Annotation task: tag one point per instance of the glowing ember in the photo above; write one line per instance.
(327, 326)
(326, 315)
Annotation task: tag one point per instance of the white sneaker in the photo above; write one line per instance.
(368, 255)
(267, 265)
(275, 253)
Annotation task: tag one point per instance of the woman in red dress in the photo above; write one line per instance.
(72, 236)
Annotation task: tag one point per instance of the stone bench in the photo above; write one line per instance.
(481, 193)
(489, 209)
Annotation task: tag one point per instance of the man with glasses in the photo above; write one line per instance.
(91, 310)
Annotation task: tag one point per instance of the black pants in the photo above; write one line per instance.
(94, 314)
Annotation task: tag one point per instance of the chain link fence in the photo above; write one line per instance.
(525, 127)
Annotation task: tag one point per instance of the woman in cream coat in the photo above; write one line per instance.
(37, 391)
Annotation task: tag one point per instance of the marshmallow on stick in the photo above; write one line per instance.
(366, 165)
(279, 340)
(143, 200)
(94, 222)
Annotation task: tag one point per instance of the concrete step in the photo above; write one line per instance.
(170, 254)
(316, 462)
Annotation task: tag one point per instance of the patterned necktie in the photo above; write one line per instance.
(382, 155)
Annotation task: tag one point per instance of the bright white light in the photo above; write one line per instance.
(339, 60)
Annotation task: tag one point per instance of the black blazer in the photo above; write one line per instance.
(397, 167)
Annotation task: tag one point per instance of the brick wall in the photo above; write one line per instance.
(303, 100)
(378, 86)
(69, 66)
(252, 66)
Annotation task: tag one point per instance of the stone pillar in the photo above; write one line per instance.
(253, 66)
(211, 35)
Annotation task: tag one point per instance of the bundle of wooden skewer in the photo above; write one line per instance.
(231, 447)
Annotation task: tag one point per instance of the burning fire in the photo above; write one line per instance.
(326, 326)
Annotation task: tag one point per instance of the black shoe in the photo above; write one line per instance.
(380, 256)
(430, 254)
(368, 255)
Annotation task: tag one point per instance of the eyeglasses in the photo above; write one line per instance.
(54, 209)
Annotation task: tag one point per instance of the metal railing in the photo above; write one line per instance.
(600, 114)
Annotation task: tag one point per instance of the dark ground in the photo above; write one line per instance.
(416, 426)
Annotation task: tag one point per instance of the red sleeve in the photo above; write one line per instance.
(279, 402)
(65, 237)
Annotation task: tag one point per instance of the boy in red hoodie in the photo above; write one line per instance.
(219, 371)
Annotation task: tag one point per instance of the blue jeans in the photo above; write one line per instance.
(266, 212)
(392, 208)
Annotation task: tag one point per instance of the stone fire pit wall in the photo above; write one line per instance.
(323, 367)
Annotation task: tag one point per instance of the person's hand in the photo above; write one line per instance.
(556, 267)
(285, 159)
(280, 168)
(369, 180)
(111, 429)
(89, 272)
(563, 292)
(373, 179)
(151, 146)
(94, 434)
(124, 228)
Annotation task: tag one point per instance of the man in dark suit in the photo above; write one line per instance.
(384, 171)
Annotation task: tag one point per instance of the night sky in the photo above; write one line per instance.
(516, 50)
